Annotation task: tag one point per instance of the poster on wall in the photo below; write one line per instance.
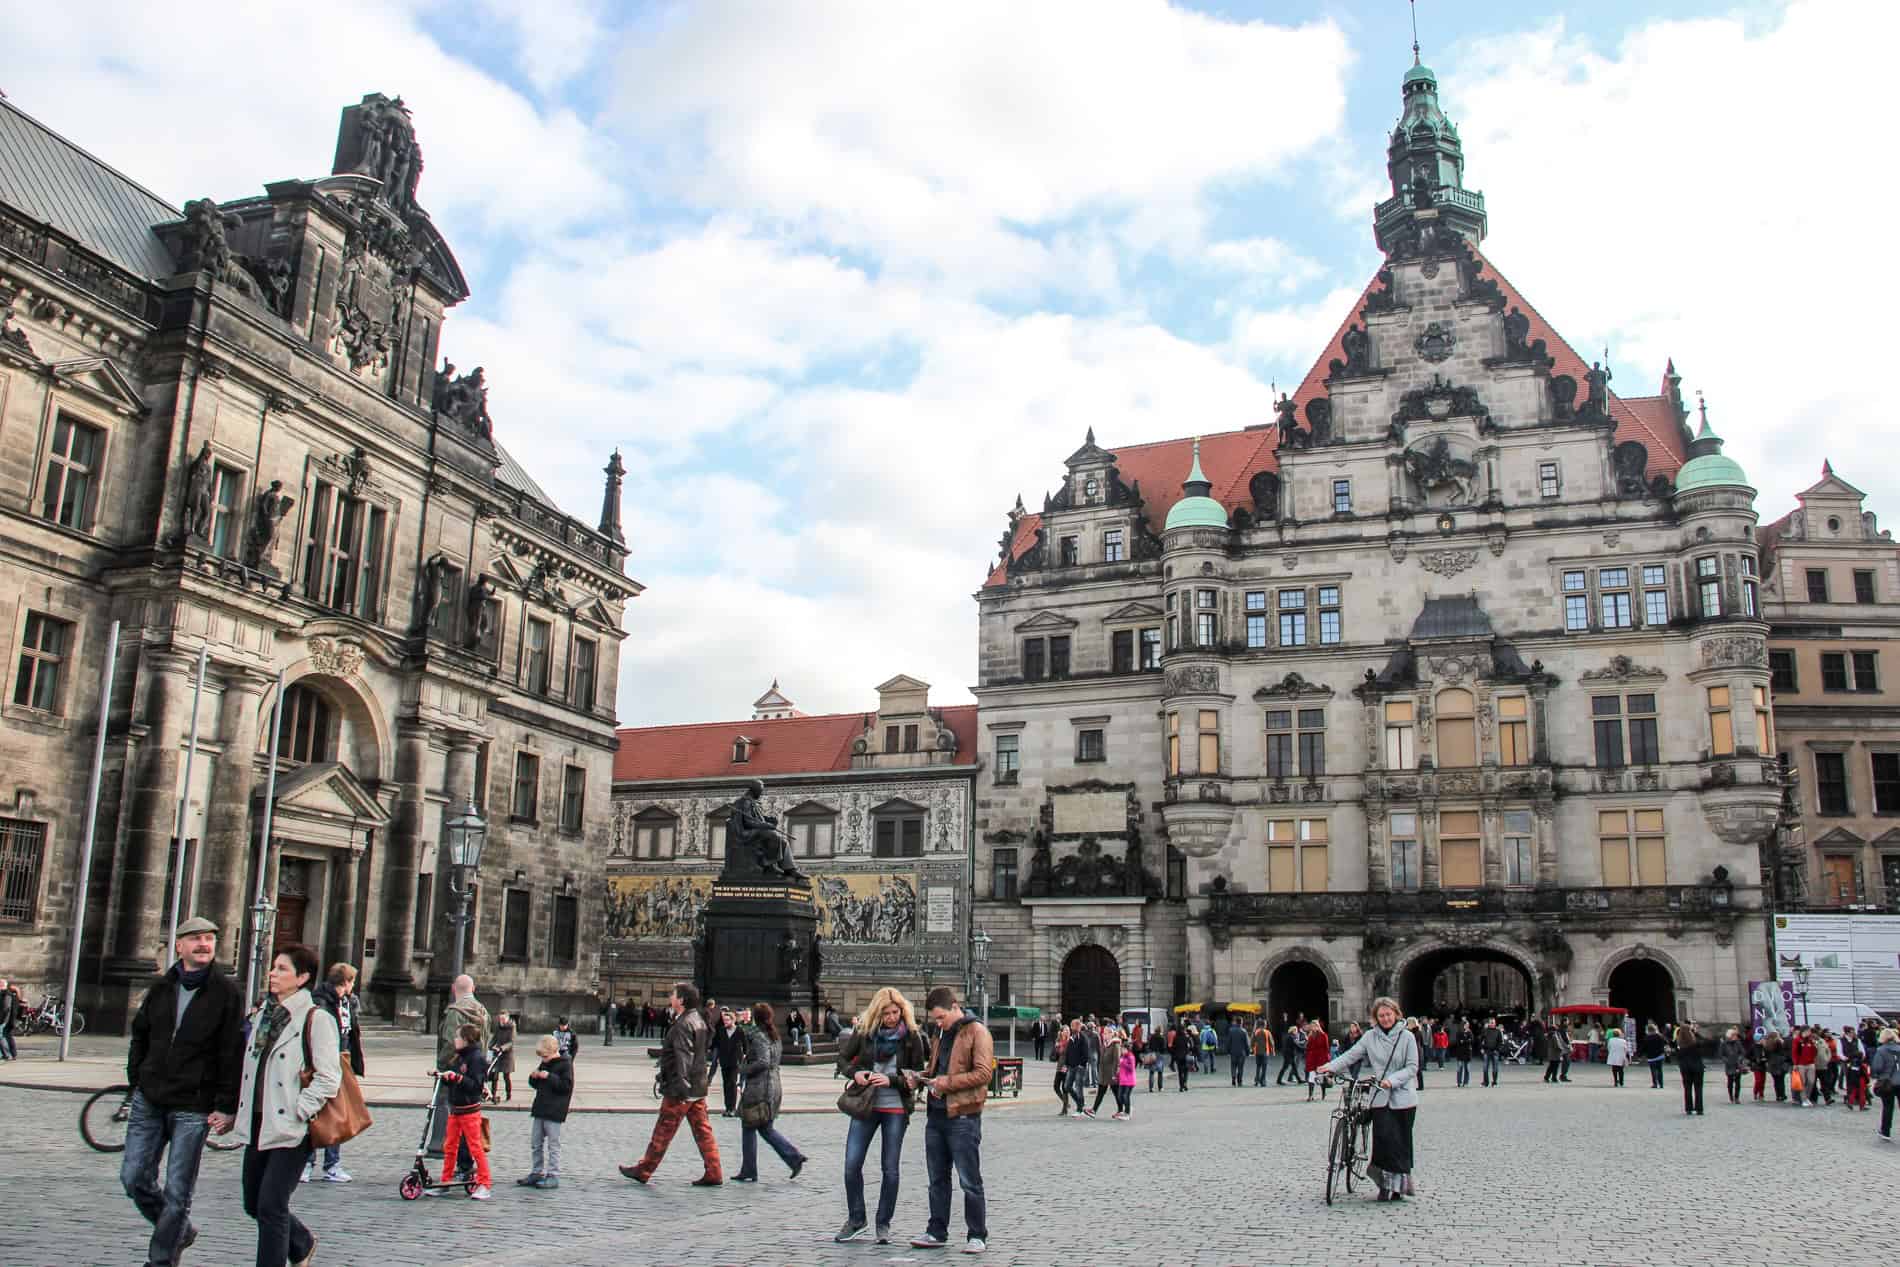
(940, 909)
(1852, 961)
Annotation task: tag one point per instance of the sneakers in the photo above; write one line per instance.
(480, 1193)
(309, 1173)
(529, 1182)
(975, 1245)
(336, 1175)
(927, 1241)
(548, 1181)
(851, 1231)
(884, 1233)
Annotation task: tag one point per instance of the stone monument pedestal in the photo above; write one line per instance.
(758, 944)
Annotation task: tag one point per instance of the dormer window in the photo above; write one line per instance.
(1091, 489)
(1069, 551)
(741, 750)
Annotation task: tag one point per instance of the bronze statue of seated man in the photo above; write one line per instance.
(750, 827)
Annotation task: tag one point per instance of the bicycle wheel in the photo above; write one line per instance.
(103, 1117)
(1338, 1154)
(79, 1023)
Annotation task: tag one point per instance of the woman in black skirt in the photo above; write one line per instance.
(1388, 1054)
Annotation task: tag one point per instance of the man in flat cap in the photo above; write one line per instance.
(184, 1065)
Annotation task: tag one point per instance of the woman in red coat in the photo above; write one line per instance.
(1319, 1049)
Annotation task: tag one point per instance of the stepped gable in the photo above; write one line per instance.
(786, 745)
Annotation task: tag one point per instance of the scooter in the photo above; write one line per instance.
(418, 1180)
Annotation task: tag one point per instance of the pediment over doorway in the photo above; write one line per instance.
(325, 803)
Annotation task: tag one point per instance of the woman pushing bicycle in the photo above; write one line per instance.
(1388, 1054)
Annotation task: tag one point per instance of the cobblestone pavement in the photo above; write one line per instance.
(1523, 1174)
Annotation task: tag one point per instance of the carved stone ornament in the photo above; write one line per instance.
(10, 334)
(1734, 651)
(1447, 562)
(1064, 939)
(1453, 669)
(1357, 345)
(1622, 669)
(1293, 686)
(1440, 474)
(1290, 562)
(1436, 343)
(1192, 679)
(335, 657)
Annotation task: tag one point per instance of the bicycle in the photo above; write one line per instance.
(47, 1018)
(1351, 1144)
(106, 1112)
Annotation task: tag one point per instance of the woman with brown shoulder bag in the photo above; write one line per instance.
(882, 1057)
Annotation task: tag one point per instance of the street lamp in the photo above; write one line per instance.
(979, 960)
(1147, 986)
(466, 833)
(263, 919)
(1801, 973)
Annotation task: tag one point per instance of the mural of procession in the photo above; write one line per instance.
(648, 907)
(877, 909)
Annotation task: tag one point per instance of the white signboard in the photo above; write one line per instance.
(1103, 813)
(940, 909)
(1850, 959)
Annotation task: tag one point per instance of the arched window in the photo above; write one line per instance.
(307, 727)
(897, 830)
(655, 834)
(813, 828)
(1457, 729)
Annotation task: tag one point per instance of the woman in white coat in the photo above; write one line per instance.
(1619, 1056)
(274, 1106)
(1389, 1055)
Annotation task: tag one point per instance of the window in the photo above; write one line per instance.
(1606, 712)
(1547, 484)
(514, 925)
(1034, 663)
(227, 525)
(70, 490)
(586, 657)
(539, 634)
(1817, 585)
(1404, 852)
(1865, 679)
(1839, 879)
(1613, 598)
(893, 739)
(1781, 670)
(1625, 725)
(1863, 586)
(1830, 783)
(1312, 742)
(1329, 623)
(655, 833)
(1112, 546)
(1708, 577)
(1520, 864)
(1090, 745)
(1256, 618)
(716, 823)
(910, 737)
(1576, 602)
(1003, 874)
(1002, 988)
(1342, 497)
(1210, 742)
(1457, 728)
(1514, 730)
(898, 830)
(527, 796)
(1150, 649)
(1833, 671)
(573, 798)
(343, 552)
(425, 890)
(308, 730)
(564, 933)
(1206, 600)
(1068, 551)
(741, 750)
(1121, 651)
(1655, 595)
(481, 775)
(1174, 744)
(488, 632)
(1886, 782)
(1721, 723)
(1174, 633)
(1059, 657)
(1631, 842)
(1401, 752)
(1292, 618)
(813, 829)
(1007, 758)
(1206, 629)
(445, 620)
(1751, 597)
(1460, 856)
(1764, 724)
(22, 854)
(43, 651)
(1177, 891)
(1644, 745)
(1280, 743)
(1296, 855)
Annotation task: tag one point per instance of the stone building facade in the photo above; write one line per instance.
(221, 426)
(878, 806)
(1458, 661)
(1831, 594)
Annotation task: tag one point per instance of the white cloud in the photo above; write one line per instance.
(1287, 338)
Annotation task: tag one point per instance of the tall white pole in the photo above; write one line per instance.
(263, 842)
(184, 804)
(83, 888)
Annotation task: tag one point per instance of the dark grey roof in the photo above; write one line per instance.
(1455, 617)
(47, 177)
(515, 475)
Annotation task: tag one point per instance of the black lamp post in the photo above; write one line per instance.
(466, 833)
(1801, 973)
(1147, 985)
(263, 920)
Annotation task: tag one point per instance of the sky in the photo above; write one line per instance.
(842, 278)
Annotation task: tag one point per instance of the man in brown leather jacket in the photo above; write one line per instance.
(958, 1077)
(682, 1092)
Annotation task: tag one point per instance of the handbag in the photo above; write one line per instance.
(859, 1101)
(1794, 1081)
(344, 1115)
(757, 1114)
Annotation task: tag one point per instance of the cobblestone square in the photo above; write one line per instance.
(1524, 1174)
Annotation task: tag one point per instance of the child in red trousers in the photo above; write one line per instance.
(465, 1076)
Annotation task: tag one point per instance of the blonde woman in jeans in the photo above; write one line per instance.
(882, 1047)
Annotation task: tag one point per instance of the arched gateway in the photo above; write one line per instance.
(1091, 983)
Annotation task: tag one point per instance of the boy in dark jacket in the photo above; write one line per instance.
(553, 1086)
(466, 1075)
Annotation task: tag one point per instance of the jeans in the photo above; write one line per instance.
(749, 1137)
(1781, 1085)
(959, 1141)
(1735, 1087)
(1691, 1090)
(7, 1050)
(148, 1132)
(1181, 1072)
(1655, 1073)
(672, 1112)
(890, 1156)
(1125, 1097)
(1078, 1087)
(1491, 1068)
(1158, 1074)
(1464, 1071)
(1260, 1069)
(1286, 1068)
(1237, 1065)
(270, 1180)
(1887, 1099)
(544, 1147)
(332, 1157)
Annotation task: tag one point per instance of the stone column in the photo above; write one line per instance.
(151, 817)
(223, 895)
(1544, 817)
(398, 932)
(1428, 844)
(343, 945)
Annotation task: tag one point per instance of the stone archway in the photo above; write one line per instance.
(1298, 981)
(1091, 982)
(1416, 978)
(1647, 982)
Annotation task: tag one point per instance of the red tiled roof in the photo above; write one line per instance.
(789, 745)
(1231, 459)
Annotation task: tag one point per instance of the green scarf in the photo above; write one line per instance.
(270, 1024)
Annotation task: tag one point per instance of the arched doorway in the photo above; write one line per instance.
(1645, 988)
(1466, 981)
(1296, 988)
(1091, 983)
